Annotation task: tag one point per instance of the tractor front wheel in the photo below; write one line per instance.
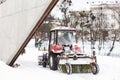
(94, 68)
(68, 68)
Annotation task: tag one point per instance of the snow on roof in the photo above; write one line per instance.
(62, 28)
(24, 19)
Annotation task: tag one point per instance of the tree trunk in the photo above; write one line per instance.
(112, 45)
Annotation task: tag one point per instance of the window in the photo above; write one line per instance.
(53, 38)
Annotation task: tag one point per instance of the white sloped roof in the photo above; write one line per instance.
(19, 19)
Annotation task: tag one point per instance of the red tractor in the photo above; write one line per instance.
(64, 50)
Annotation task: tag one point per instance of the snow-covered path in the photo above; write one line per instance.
(30, 70)
(109, 69)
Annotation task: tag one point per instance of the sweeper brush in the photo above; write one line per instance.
(78, 63)
(75, 68)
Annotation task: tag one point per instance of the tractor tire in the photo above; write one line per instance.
(44, 60)
(39, 63)
(94, 68)
(68, 68)
(53, 61)
(44, 64)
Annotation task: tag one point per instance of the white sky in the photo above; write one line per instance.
(79, 5)
(82, 4)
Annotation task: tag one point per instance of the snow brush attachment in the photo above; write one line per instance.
(70, 68)
(74, 68)
(78, 63)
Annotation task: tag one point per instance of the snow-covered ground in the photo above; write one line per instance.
(30, 70)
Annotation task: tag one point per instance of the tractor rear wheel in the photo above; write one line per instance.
(53, 61)
(44, 60)
(44, 64)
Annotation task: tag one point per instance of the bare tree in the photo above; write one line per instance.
(83, 19)
(116, 9)
(115, 36)
(101, 25)
(64, 7)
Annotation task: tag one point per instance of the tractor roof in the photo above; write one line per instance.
(62, 28)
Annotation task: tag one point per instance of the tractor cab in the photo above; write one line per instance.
(63, 39)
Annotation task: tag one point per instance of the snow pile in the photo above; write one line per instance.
(3, 65)
(9, 73)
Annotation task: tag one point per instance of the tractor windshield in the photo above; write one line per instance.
(66, 37)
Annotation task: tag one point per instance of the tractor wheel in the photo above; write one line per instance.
(44, 64)
(68, 68)
(39, 63)
(94, 68)
(44, 60)
(53, 61)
